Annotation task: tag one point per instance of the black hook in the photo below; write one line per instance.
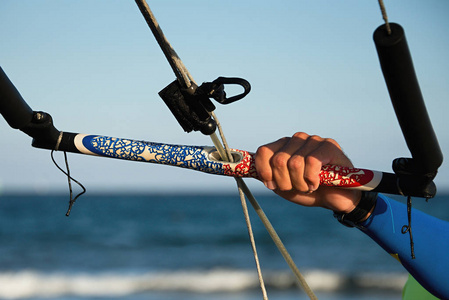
(192, 107)
(215, 89)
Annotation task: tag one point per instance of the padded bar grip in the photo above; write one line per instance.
(12, 106)
(397, 67)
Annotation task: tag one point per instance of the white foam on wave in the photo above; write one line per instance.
(27, 284)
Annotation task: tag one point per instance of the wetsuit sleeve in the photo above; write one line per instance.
(431, 241)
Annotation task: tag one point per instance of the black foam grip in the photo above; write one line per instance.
(399, 73)
(12, 106)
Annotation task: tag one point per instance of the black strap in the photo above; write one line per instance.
(366, 204)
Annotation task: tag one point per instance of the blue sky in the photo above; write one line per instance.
(96, 68)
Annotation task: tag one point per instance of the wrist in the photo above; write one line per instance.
(361, 212)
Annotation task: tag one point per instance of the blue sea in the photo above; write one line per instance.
(177, 246)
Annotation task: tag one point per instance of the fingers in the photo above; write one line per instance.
(295, 163)
(275, 165)
(288, 165)
(304, 171)
(280, 163)
(329, 152)
(263, 161)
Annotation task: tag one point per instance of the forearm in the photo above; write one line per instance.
(431, 241)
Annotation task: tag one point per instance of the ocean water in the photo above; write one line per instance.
(159, 246)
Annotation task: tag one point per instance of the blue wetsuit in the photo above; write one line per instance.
(431, 241)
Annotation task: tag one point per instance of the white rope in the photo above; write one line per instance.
(227, 156)
(244, 190)
(384, 16)
(223, 139)
(175, 62)
(185, 77)
(251, 237)
(277, 240)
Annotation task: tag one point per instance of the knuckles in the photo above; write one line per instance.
(280, 160)
(264, 175)
(270, 159)
(331, 142)
(295, 162)
(300, 135)
(263, 152)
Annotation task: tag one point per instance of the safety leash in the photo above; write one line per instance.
(69, 180)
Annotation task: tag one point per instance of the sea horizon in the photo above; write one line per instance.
(184, 246)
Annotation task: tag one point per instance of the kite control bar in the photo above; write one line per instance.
(12, 106)
(397, 67)
(40, 127)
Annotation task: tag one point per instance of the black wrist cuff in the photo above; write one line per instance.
(351, 219)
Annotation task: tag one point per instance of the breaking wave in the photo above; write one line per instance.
(28, 284)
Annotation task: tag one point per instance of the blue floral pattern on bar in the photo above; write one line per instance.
(191, 157)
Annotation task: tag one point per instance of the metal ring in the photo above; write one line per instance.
(58, 142)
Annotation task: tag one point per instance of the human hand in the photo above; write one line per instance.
(291, 166)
